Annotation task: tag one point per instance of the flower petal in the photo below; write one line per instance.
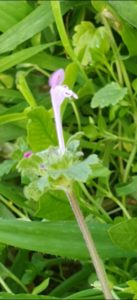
(56, 78)
(59, 93)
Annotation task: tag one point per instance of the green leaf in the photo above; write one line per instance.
(127, 189)
(131, 64)
(24, 88)
(129, 36)
(111, 94)
(4, 273)
(25, 296)
(41, 129)
(18, 57)
(48, 61)
(5, 213)
(97, 41)
(9, 132)
(61, 211)
(122, 8)
(40, 18)
(9, 95)
(71, 73)
(41, 287)
(14, 193)
(52, 238)
(80, 171)
(12, 12)
(124, 234)
(6, 166)
(100, 4)
(36, 21)
(7, 118)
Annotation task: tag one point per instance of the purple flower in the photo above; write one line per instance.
(58, 93)
(27, 154)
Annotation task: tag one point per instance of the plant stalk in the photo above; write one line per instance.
(98, 265)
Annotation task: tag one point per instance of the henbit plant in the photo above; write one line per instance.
(58, 167)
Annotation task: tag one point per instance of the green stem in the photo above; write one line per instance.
(97, 205)
(24, 89)
(113, 137)
(9, 204)
(130, 160)
(98, 265)
(121, 166)
(63, 35)
(121, 70)
(76, 114)
(5, 286)
(111, 196)
(115, 51)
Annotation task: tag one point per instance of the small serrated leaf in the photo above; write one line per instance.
(80, 171)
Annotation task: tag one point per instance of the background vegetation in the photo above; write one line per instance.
(42, 253)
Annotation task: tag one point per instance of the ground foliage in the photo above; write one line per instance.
(43, 255)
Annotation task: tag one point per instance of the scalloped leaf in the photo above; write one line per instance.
(111, 94)
(90, 42)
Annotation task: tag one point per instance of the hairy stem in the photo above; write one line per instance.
(100, 271)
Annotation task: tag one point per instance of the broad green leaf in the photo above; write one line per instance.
(111, 94)
(33, 23)
(88, 39)
(91, 294)
(11, 12)
(48, 61)
(122, 8)
(40, 18)
(52, 238)
(124, 234)
(18, 57)
(25, 297)
(41, 129)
